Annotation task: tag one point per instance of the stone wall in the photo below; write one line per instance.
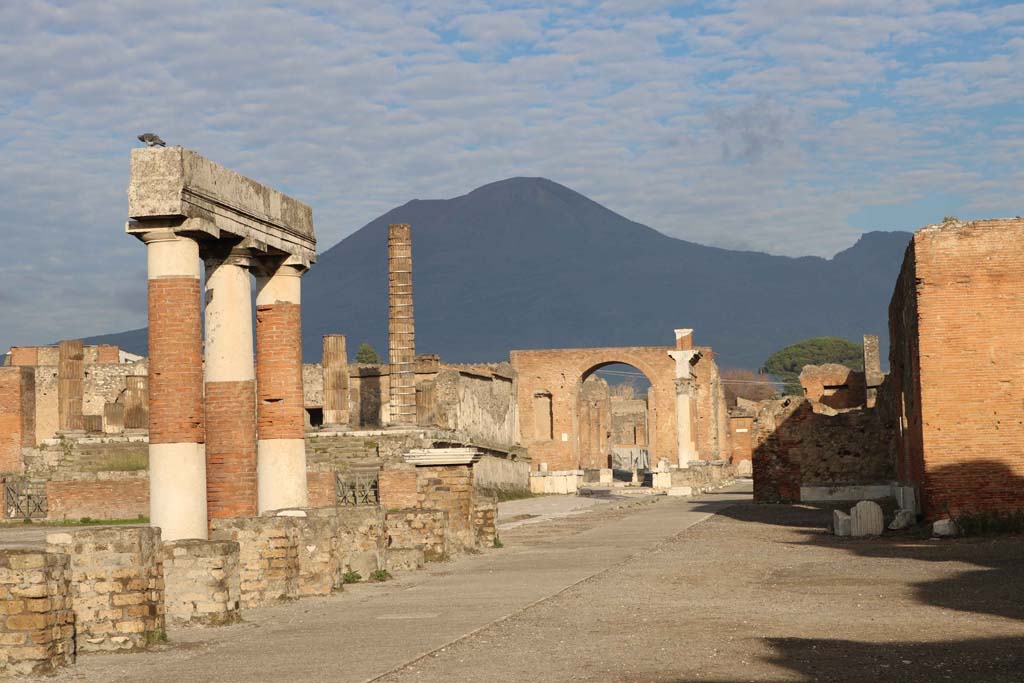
(449, 488)
(834, 385)
(491, 472)
(796, 446)
(37, 632)
(477, 402)
(268, 556)
(485, 521)
(417, 529)
(956, 363)
(117, 589)
(106, 383)
(201, 582)
(629, 421)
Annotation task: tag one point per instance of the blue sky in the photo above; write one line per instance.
(787, 126)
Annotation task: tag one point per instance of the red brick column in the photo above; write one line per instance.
(230, 386)
(281, 414)
(177, 464)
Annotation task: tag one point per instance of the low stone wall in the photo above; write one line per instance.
(37, 632)
(502, 473)
(560, 481)
(485, 521)
(117, 586)
(321, 556)
(119, 495)
(268, 557)
(449, 488)
(423, 530)
(201, 582)
(361, 539)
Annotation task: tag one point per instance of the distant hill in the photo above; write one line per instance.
(528, 263)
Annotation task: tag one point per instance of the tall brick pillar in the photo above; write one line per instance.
(335, 369)
(230, 385)
(281, 419)
(686, 432)
(401, 326)
(70, 385)
(177, 454)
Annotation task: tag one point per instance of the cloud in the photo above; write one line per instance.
(737, 123)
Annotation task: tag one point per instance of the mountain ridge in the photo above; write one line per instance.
(530, 263)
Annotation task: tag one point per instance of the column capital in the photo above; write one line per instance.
(159, 235)
(266, 266)
(215, 254)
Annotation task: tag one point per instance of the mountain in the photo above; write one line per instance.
(528, 263)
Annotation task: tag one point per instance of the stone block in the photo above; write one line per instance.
(866, 519)
(404, 559)
(840, 523)
(606, 476)
(904, 519)
(945, 528)
(680, 491)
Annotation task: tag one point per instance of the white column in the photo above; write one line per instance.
(177, 454)
(684, 356)
(281, 449)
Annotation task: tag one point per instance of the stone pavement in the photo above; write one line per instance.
(371, 630)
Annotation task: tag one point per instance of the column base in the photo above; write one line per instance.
(177, 490)
(281, 474)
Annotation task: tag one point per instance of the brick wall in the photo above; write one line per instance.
(37, 632)
(398, 488)
(741, 438)
(117, 587)
(449, 488)
(107, 498)
(834, 385)
(321, 489)
(957, 362)
(17, 415)
(418, 529)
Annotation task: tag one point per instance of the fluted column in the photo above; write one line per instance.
(281, 449)
(401, 326)
(177, 456)
(230, 385)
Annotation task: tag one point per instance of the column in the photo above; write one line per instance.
(177, 454)
(70, 385)
(136, 402)
(685, 355)
(281, 423)
(335, 371)
(401, 326)
(230, 385)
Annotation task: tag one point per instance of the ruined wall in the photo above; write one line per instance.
(501, 473)
(449, 489)
(957, 362)
(105, 383)
(424, 530)
(629, 422)
(741, 439)
(558, 374)
(479, 404)
(37, 632)
(107, 495)
(17, 415)
(594, 420)
(201, 582)
(796, 446)
(711, 413)
(834, 385)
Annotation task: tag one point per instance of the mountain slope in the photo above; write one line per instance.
(529, 263)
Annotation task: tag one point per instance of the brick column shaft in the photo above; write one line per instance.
(336, 380)
(177, 463)
(281, 414)
(70, 384)
(401, 326)
(230, 387)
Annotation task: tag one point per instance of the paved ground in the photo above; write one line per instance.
(640, 594)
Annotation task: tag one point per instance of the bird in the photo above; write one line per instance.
(152, 140)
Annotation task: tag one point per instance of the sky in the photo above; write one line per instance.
(784, 126)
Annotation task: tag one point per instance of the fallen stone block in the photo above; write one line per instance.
(945, 528)
(904, 519)
(840, 523)
(866, 519)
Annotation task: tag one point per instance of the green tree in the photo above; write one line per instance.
(366, 354)
(787, 363)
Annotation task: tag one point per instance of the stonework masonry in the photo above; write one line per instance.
(956, 362)
(37, 632)
(117, 585)
(201, 582)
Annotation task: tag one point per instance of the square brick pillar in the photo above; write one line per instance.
(281, 419)
(336, 380)
(70, 385)
(177, 455)
(230, 384)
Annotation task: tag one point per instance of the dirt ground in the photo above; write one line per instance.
(761, 593)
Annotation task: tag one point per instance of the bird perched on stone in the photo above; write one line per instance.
(152, 140)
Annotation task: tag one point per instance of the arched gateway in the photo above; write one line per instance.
(683, 411)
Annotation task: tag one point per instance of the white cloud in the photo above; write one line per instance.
(745, 123)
